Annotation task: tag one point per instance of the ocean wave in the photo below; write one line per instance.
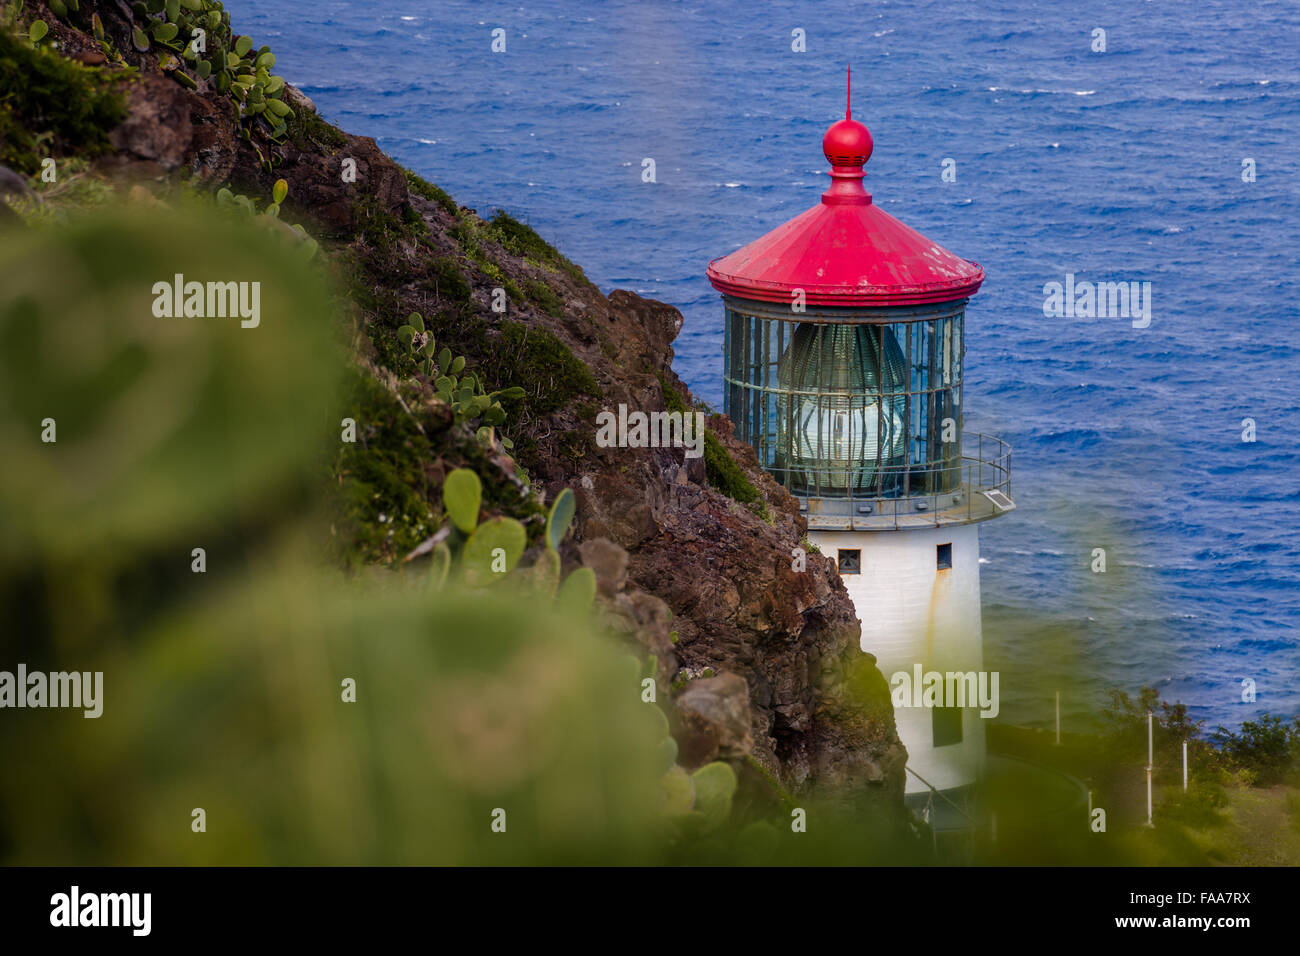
(1005, 89)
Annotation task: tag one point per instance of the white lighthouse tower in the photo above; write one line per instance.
(843, 353)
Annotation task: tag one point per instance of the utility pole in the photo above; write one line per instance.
(1150, 761)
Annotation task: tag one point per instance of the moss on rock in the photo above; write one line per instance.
(387, 492)
(720, 468)
(381, 504)
(51, 106)
(545, 297)
(445, 280)
(549, 373)
(522, 240)
(422, 187)
(311, 134)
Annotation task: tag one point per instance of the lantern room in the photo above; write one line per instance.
(844, 341)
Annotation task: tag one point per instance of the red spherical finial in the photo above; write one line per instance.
(848, 142)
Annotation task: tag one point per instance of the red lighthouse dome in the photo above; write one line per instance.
(846, 251)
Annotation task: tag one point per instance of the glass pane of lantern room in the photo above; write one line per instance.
(737, 393)
(950, 426)
(920, 408)
(777, 338)
(729, 388)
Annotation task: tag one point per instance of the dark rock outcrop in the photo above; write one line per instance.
(157, 130)
(317, 185)
(713, 720)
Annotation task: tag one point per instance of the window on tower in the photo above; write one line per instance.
(850, 561)
(944, 556)
(947, 725)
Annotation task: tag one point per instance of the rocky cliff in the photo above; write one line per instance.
(693, 556)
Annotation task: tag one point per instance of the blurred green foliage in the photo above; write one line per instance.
(162, 424)
(234, 704)
(224, 689)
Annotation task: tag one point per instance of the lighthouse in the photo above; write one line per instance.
(843, 354)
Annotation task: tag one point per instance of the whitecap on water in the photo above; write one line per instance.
(1009, 89)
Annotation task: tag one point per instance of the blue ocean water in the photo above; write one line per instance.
(1117, 165)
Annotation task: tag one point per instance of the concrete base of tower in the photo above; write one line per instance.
(917, 594)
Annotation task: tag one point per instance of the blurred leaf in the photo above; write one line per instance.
(677, 789)
(715, 784)
(578, 591)
(667, 754)
(439, 565)
(461, 494)
(493, 550)
(546, 573)
(561, 516)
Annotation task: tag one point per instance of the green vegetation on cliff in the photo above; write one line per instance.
(422, 187)
(53, 107)
(522, 240)
(720, 468)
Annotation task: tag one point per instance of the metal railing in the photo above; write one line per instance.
(929, 817)
(873, 498)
